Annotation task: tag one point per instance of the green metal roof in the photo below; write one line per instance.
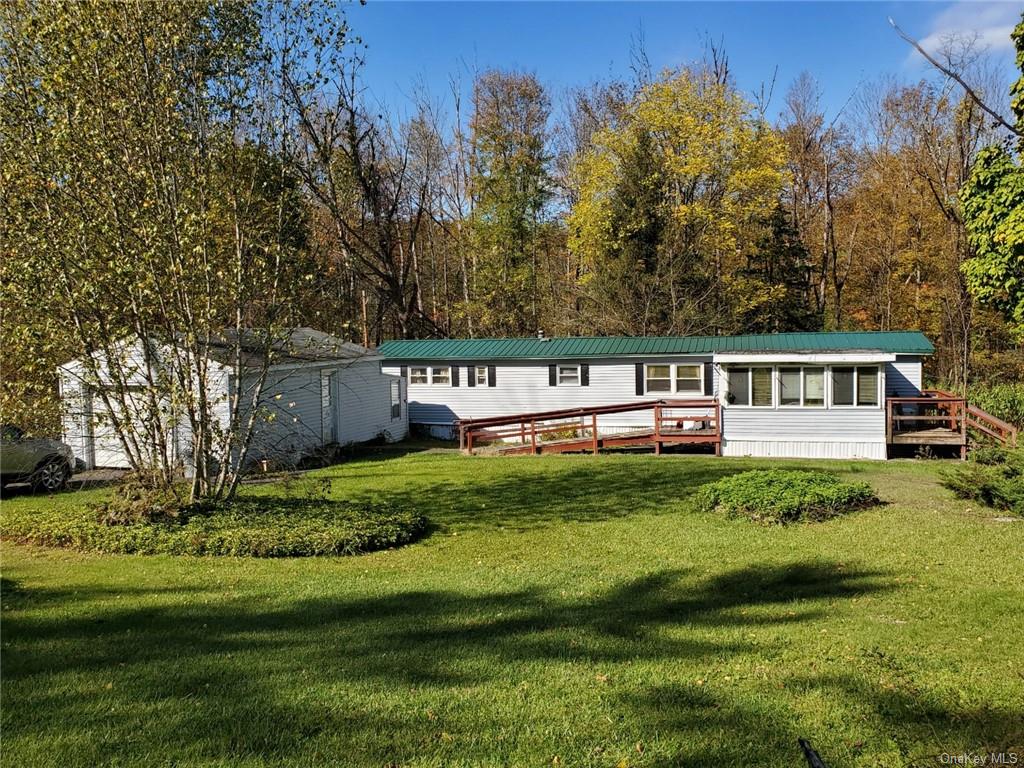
(576, 347)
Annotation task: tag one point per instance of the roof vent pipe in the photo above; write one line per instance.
(540, 334)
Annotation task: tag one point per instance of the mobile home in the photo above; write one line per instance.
(813, 395)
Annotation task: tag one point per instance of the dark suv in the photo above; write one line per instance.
(46, 464)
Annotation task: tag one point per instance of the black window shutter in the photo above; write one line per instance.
(470, 375)
(404, 371)
(584, 375)
(455, 375)
(709, 379)
(492, 376)
(639, 378)
(552, 380)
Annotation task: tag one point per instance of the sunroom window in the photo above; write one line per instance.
(761, 387)
(867, 385)
(739, 386)
(789, 386)
(814, 387)
(842, 386)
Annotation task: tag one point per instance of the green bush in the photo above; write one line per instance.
(246, 527)
(1004, 401)
(784, 496)
(992, 476)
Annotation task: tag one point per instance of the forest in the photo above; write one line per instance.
(175, 168)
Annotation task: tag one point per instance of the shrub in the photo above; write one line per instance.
(784, 496)
(1004, 401)
(247, 527)
(992, 476)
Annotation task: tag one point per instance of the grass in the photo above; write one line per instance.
(567, 610)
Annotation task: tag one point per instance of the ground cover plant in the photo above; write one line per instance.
(261, 526)
(564, 610)
(784, 496)
(993, 476)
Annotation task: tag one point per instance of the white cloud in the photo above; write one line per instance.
(990, 23)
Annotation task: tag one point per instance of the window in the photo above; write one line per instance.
(442, 375)
(568, 374)
(396, 399)
(690, 378)
(674, 378)
(867, 385)
(739, 386)
(418, 376)
(842, 386)
(814, 387)
(659, 378)
(789, 386)
(761, 387)
(480, 375)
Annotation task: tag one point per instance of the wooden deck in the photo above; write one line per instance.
(941, 418)
(933, 418)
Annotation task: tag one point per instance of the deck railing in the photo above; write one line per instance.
(941, 417)
(672, 421)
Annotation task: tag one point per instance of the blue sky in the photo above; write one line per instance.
(573, 43)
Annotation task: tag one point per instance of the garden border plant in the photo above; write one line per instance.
(779, 496)
(250, 526)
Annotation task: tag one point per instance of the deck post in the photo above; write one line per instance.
(593, 431)
(963, 429)
(469, 442)
(718, 428)
(533, 435)
(888, 420)
(462, 437)
(657, 430)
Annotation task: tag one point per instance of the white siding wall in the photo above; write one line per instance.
(365, 405)
(903, 377)
(522, 387)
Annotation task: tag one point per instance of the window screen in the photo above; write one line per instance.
(789, 383)
(842, 386)
(739, 386)
(814, 387)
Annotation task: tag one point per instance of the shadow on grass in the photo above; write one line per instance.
(235, 678)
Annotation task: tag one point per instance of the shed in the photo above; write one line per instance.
(319, 391)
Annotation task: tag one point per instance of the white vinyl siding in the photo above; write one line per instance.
(524, 386)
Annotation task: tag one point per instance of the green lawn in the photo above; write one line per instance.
(563, 611)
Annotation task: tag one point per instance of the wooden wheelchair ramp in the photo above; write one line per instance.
(938, 417)
(653, 423)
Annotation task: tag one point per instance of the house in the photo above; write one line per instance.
(319, 391)
(814, 395)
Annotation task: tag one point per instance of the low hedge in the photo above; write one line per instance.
(784, 496)
(992, 476)
(246, 527)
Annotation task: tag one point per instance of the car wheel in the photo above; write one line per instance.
(51, 476)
